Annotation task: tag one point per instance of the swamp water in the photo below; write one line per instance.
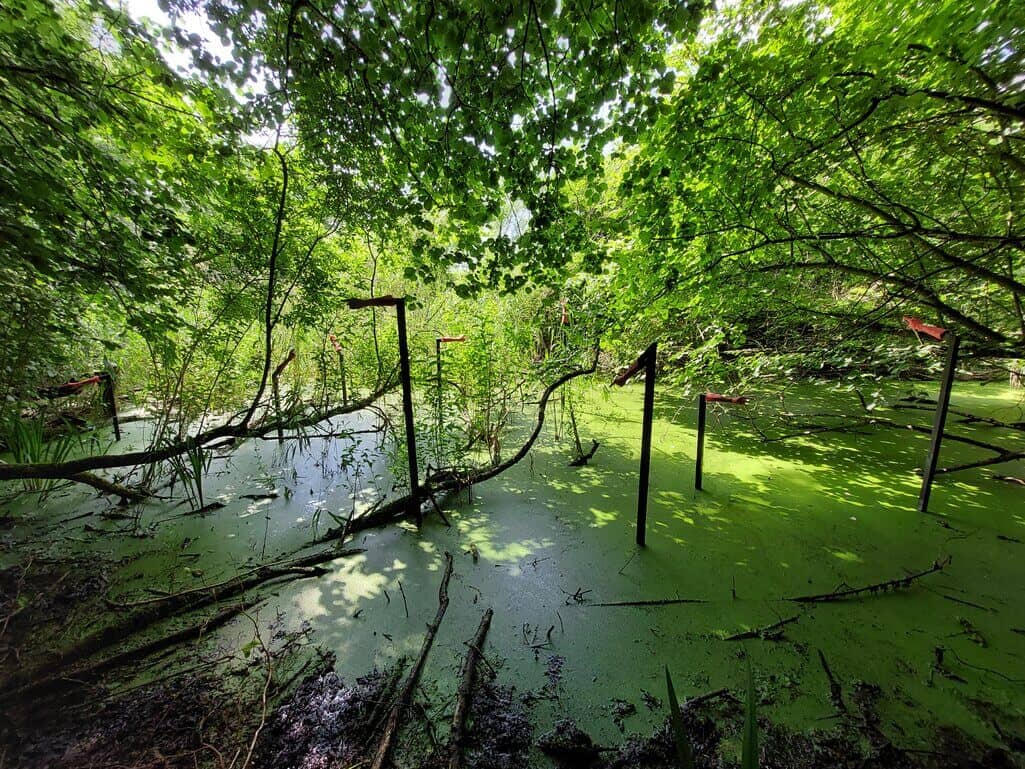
(544, 543)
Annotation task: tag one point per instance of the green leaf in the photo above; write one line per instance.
(749, 756)
(684, 754)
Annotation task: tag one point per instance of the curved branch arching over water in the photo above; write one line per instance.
(398, 509)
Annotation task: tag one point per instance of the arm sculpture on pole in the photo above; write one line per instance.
(703, 400)
(942, 402)
(646, 361)
(399, 303)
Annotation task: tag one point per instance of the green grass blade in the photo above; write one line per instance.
(749, 759)
(684, 755)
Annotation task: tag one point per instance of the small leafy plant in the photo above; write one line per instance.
(28, 445)
(190, 469)
(684, 752)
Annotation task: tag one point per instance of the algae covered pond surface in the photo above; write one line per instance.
(547, 545)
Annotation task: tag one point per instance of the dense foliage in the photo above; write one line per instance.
(761, 186)
(826, 168)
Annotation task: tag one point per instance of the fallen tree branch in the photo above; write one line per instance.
(1006, 456)
(400, 508)
(89, 673)
(925, 404)
(457, 736)
(861, 423)
(234, 431)
(772, 632)
(100, 484)
(398, 710)
(657, 602)
(542, 406)
(878, 587)
(582, 459)
(835, 691)
(693, 702)
(1003, 455)
(161, 608)
(109, 487)
(386, 697)
(1009, 479)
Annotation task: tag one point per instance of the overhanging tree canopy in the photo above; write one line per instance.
(846, 159)
(448, 113)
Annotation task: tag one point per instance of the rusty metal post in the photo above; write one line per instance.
(407, 411)
(341, 366)
(111, 401)
(646, 429)
(699, 460)
(939, 420)
(399, 303)
(437, 428)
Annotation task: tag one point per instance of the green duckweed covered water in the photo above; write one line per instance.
(775, 520)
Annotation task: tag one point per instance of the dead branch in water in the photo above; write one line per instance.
(693, 702)
(80, 469)
(770, 632)
(465, 694)
(582, 459)
(397, 509)
(194, 631)
(657, 602)
(878, 587)
(150, 613)
(109, 487)
(929, 405)
(405, 698)
(857, 425)
(835, 691)
(385, 698)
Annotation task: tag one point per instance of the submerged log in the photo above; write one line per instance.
(397, 714)
(465, 694)
(149, 612)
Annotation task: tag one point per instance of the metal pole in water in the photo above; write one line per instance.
(109, 397)
(649, 407)
(939, 421)
(341, 365)
(437, 429)
(699, 460)
(407, 410)
(407, 391)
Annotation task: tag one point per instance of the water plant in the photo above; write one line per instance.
(684, 754)
(749, 752)
(684, 751)
(189, 468)
(26, 440)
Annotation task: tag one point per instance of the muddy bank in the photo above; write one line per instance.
(293, 711)
(327, 723)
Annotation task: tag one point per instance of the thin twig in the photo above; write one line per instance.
(772, 631)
